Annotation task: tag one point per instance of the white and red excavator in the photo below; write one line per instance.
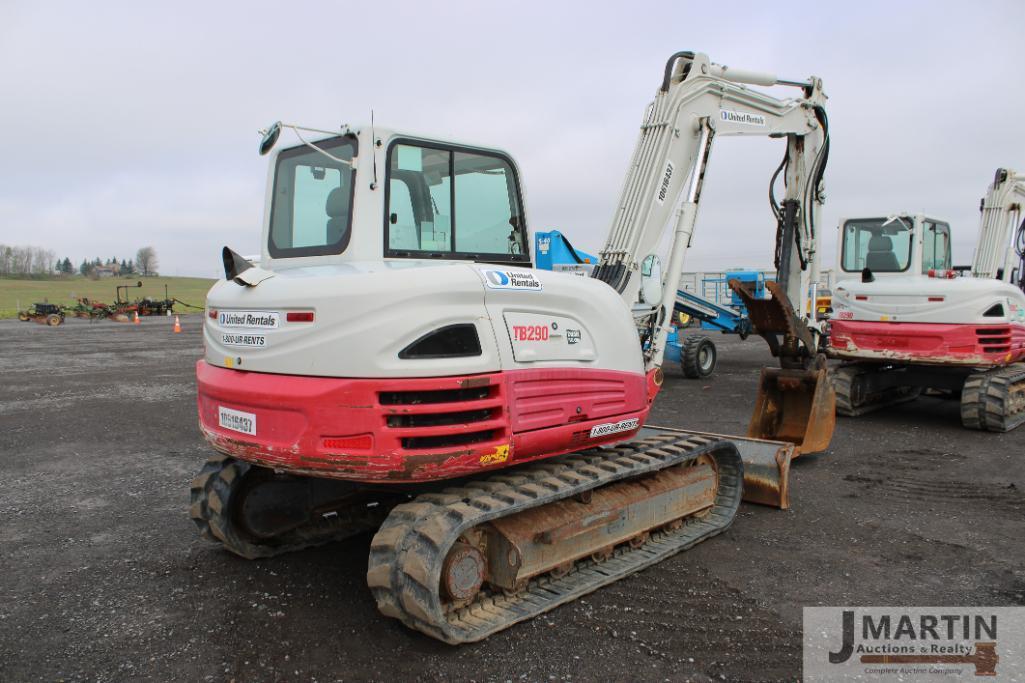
(907, 323)
(395, 364)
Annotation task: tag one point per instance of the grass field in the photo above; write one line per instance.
(23, 293)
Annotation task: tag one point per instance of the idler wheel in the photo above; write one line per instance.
(462, 573)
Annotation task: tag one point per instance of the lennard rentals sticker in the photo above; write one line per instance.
(914, 643)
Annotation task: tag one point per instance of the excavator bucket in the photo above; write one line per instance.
(794, 405)
(798, 406)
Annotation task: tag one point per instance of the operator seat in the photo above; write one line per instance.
(337, 208)
(880, 255)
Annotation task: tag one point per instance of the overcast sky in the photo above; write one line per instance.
(125, 125)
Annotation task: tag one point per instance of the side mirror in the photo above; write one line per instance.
(234, 264)
(651, 280)
(270, 137)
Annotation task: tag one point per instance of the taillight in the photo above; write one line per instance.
(359, 442)
(861, 297)
(212, 313)
(936, 298)
(299, 316)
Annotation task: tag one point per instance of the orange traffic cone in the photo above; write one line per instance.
(177, 325)
(136, 319)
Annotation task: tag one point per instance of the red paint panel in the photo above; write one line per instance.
(553, 397)
(415, 429)
(937, 343)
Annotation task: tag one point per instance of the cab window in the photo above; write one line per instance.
(311, 208)
(446, 202)
(936, 247)
(879, 244)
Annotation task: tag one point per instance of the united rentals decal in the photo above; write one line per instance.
(257, 319)
(512, 279)
(743, 117)
(913, 643)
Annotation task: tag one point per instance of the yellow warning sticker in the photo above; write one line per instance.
(229, 362)
(501, 454)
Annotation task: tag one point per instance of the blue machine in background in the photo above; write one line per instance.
(721, 309)
(552, 248)
(724, 311)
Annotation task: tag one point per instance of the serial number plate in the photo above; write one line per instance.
(236, 420)
(255, 340)
(614, 427)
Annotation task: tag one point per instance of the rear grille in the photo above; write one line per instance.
(414, 443)
(439, 419)
(442, 418)
(412, 398)
(994, 339)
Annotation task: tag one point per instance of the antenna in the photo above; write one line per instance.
(373, 144)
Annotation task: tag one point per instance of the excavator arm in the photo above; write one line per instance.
(698, 101)
(1000, 250)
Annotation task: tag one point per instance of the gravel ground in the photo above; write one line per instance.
(104, 577)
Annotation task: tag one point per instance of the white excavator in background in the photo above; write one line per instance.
(394, 362)
(908, 323)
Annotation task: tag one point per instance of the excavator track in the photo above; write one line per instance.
(852, 400)
(218, 495)
(416, 543)
(994, 400)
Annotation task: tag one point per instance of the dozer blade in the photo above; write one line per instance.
(766, 465)
(798, 406)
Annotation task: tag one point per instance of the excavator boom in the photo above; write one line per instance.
(699, 100)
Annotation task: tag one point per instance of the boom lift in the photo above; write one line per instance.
(696, 354)
(394, 354)
(908, 324)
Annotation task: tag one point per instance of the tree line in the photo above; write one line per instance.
(30, 261)
(25, 260)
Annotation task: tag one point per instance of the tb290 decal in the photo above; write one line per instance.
(530, 332)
